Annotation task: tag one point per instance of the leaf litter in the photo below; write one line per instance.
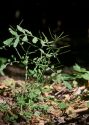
(58, 105)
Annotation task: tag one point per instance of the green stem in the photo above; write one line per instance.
(18, 53)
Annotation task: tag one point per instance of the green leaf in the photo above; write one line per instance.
(44, 107)
(8, 42)
(67, 85)
(78, 68)
(20, 29)
(49, 55)
(86, 76)
(28, 32)
(34, 40)
(62, 105)
(13, 32)
(88, 104)
(66, 77)
(83, 70)
(27, 114)
(37, 113)
(3, 107)
(25, 39)
(42, 43)
(20, 100)
(3, 60)
(59, 71)
(42, 51)
(16, 42)
(25, 62)
(37, 91)
(31, 72)
(58, 78)
(2, 67)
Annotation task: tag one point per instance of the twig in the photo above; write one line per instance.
(81, 110)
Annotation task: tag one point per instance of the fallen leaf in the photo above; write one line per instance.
(2, 86)
(2, 100)
(41, 122)
(54, 111)
(70, 110)
(67, 97)
(77, 91)
(57, 87)
(46, 94)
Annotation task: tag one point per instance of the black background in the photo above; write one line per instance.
(39, 15)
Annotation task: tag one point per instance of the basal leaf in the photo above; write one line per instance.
(78, 68)
(62, 105)
(67, 84)
(59, 78)
(86, 76)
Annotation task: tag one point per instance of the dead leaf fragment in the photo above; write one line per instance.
(67, 97)
(57, 87)
(41, 122)
(2, 86)
(55, 112)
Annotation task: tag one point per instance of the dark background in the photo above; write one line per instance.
(70, 16)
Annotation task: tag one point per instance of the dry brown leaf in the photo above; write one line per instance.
(9, 81)
(46, 94)
(57, 87)
(34, 120)
(67, 97)
(19, 83)
(54, 111)
(77, 92)
(41, 122)
(71, 112)
(2, 86)
(2, 100)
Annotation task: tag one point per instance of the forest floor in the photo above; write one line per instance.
(74, 106)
